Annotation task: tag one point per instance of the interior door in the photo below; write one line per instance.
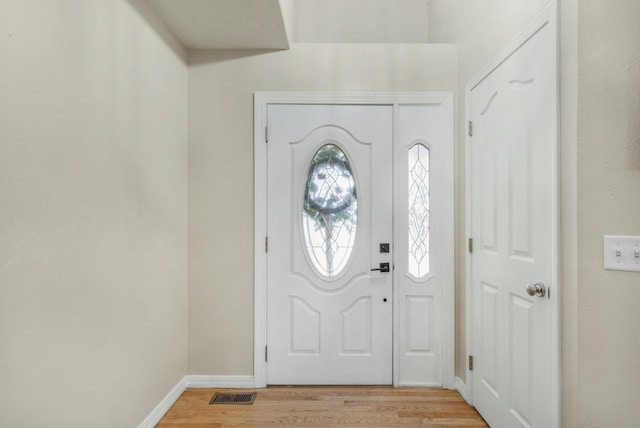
(513, 180)
(329, 313)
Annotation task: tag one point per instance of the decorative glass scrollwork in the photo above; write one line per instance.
(419, 222)
(330, 210)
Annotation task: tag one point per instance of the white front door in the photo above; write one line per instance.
(329, 315)
(513, 283)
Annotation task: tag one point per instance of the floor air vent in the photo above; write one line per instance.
(230, 398)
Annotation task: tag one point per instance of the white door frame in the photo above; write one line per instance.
(549, 17)
(261, 102)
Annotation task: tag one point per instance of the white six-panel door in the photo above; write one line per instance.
(513, 185)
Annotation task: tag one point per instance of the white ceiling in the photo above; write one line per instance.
(273, 24)
(225, 24)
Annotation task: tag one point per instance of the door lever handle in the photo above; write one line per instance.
(384, 267)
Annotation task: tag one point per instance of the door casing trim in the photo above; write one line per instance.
(549, 16)
(261, 102)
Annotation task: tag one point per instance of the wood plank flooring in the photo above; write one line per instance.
(326, 407)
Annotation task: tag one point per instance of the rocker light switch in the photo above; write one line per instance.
(622, 253)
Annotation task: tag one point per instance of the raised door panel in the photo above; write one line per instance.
(488, 186)
(357, 328)
(521, 367)
(489, 338)
(419, 316)
(304, 328)
(520, 174)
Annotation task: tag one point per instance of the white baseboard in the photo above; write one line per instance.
(419, 385)
(198, 381)
(462, 388)
(194, 381)
(164, 406)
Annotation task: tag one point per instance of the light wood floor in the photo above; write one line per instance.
(326, 407)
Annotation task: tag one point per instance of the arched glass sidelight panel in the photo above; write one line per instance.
(419, 210)
(330, 210)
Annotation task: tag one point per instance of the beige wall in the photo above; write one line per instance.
(221, 87)
(361, 21)
(608, 172)
(93, 157)
(569, 210)
(480, 29)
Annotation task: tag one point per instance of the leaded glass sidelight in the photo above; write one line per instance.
(330, 210)
(419, 210)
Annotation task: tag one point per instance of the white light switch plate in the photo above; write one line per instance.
(622, 253)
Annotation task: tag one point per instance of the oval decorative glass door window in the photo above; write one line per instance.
(330, 210)
(419, 210)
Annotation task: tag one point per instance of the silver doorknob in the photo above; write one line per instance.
(537, 289)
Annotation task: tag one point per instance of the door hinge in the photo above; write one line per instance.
(266, 135)
(266, 244)
(470, 129)
(471, 363)
(266, 353)
(471, 245)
